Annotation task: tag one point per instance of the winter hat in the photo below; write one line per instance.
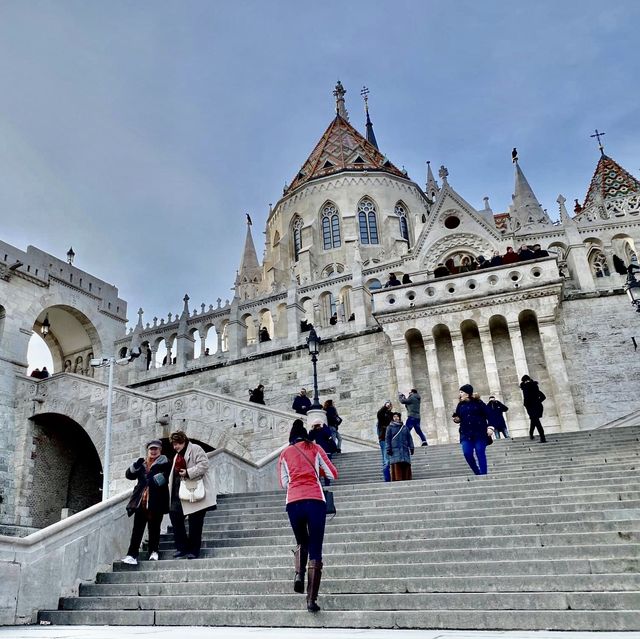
(317, 420)
(467, 388)
(154, 443)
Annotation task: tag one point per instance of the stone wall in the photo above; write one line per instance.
(603, 367)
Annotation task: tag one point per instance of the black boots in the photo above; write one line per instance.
(300, 554)
(313, 585)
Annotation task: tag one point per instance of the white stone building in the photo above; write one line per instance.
(347, 219)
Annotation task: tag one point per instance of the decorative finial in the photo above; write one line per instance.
(514, 155)
(339, 93)
(365, 96)
(578, 207)
(443, 173)
(598, 135)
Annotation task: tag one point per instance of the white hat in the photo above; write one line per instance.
(317, 420)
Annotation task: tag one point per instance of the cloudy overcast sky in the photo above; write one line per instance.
(140, 132)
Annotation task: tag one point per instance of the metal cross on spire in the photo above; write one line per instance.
(365, 96)
(598, 135)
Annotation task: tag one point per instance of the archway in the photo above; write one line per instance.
(69, 335)
(66, 471)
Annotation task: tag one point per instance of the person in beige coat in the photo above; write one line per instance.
(190, 463)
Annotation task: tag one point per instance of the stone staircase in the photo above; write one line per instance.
(550, 539)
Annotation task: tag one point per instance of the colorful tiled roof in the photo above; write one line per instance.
(341, 148)
(610, 181)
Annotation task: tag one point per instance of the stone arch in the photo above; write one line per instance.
(281, 329)
(368, 223)
(598, 262)
(251, 331)
(345, 302)
(374, 284)
(194, 349)
(448, 374)
(624, 247)
(460, 243)
(67, 463)
(160, 349)
(224, 336)
(296, 236)
(560, 249)
(307, 305)
(401, 210)
(71, 336)
(328, 307)
(210, 333)
(266, 321)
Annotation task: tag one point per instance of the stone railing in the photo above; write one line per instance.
(38, 569)
(465, 286)
(611, 209)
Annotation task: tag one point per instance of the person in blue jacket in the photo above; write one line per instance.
(495, 417)
(475, 432)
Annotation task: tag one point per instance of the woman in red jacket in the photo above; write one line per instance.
(299, 468)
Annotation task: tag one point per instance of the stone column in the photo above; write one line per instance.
(460, 357)
(490, 363)
(517, 346)
(219, 337)
(558, 376)
(402, 365)
(579, 267)
(203, 344)
(440, 416)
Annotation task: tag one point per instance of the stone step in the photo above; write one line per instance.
(576, 620)
(418, 556)
(498, 584)
(189, 570)
(383, 601)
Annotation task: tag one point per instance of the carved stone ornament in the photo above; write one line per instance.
(438, 251)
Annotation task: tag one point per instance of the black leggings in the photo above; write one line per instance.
(307, 518)
(535, 424)
(141, 519)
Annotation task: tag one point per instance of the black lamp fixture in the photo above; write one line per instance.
(46, 326)
(632, 286)
(70, 255)
(313, 344)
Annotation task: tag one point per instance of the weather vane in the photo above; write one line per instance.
(598, 135)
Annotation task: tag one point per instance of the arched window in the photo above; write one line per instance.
(367, 222)
(297, 237)
(330, 226)
(401, 212)
(599, 264)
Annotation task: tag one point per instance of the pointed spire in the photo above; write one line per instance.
(371, 136)
(525, 207)
(250, 272)
(565, 218)
(185, 308)
(609, 181)
(432, 187)
(339, 93)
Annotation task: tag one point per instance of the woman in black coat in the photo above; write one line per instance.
(532, 398)
(475, 432)
(150, 500)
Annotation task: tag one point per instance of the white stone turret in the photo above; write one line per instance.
(525, 211)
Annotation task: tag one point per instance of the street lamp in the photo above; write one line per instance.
(46, 326)
(102, 363)
(313, 344)
(70, 255)
(632, 286)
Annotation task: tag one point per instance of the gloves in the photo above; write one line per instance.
(139, 463)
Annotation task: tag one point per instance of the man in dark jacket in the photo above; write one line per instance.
(412, 402)
(301, 403)
(532, 398)
(149, 501)
(384, 419)
(257, 394)
(495, 417)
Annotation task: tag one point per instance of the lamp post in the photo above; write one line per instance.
(102, 363)
(70, 255)
(313, 344)
(632, 286)
(46, 326)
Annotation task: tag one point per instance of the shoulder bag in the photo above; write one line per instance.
(191, 490)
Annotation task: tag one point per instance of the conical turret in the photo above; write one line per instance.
(249, 276)
(525, 209)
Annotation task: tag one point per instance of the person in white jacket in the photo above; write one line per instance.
(190, 463)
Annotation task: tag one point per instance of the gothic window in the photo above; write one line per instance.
(374, 285)
(401, 212)
(599, 264)
(332, 269)
(367, 222)
(330, 226)
(297, 238)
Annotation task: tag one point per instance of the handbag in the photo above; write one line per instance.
(191, 490)
(328, 494)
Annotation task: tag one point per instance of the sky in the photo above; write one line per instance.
(140, 133)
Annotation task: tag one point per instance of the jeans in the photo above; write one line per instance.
(414, 422)
(479, 447)
(307, 518)
(141, 519)
(337, 437)
(501, 431)
(386, 473)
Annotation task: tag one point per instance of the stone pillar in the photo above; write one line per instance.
(360, 298)
(490, 363)
(517, 346)
(154, 351)
(402, 366)
(203, 344)
(557, 370)
(440, 416)
(317, 321)
(219, 337)
(460, 357)
(579, 267)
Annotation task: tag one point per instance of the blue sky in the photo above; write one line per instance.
(141, 132)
